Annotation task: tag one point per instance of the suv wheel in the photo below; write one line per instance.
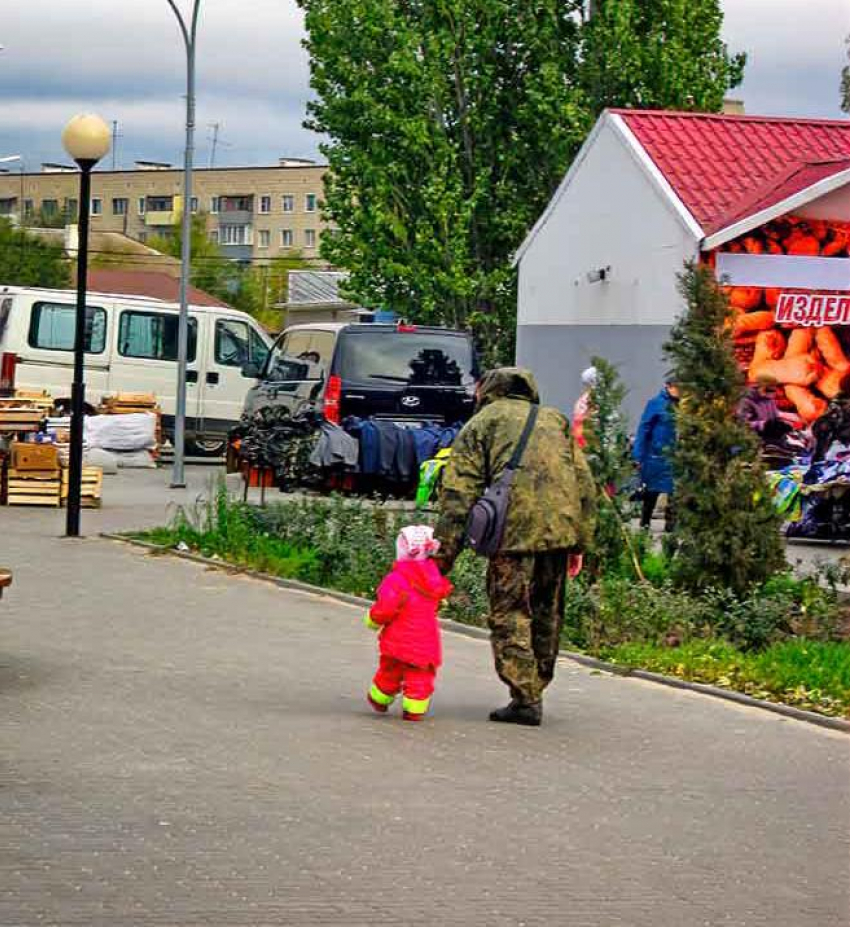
(206, 447)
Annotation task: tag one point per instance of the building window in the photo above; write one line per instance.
(141, 205)
(71, 207)
(193, 205)
(234, 235)
(52, 327)
(214, 203)
(50, 207)
(119, 206)
(265, 238)
(8, 206)
(153, 336)
(214, 236)
(310, 202)
(29, 207)
(265, 204)
(160, 203)
(309, 238)
(96, 206)
(288, 203)
(236, 204)
(286, 238)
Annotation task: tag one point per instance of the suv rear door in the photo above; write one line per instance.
(296, 371)
(406, 374)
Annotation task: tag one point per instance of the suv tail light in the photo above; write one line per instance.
(333, 394)
(8, 363)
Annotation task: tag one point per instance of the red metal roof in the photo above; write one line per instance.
(720, 165)
(155, 284)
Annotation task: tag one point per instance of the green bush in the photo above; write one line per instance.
(809, 674)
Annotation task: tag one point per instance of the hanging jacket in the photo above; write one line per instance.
(756, 410)
(406, 608)
(654, 443)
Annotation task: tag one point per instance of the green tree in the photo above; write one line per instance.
(211, 272)
(665, 54)
(727, 531)
(26, 260)
(449, 124)
(607, 450)
(845, 81)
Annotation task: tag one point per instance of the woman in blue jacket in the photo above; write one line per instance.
(653, 451)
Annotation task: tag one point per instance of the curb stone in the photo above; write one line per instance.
(457, 627)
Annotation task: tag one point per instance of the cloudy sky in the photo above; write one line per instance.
(124, 59)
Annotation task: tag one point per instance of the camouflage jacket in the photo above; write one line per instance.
(553, 501)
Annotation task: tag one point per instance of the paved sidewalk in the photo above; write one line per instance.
(182, 747)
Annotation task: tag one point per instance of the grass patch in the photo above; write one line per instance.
(813, 675)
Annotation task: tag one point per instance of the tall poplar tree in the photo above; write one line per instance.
(658, 54)
(450, 123)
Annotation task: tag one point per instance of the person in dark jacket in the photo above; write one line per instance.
(550, 521)
(758, 410)
(653, 452)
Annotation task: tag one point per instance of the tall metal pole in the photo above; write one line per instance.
(78, 387)
(178, 478)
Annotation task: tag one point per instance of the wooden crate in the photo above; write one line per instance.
(39, 399)
(91, 486)
(34, 456)
(17, 418)
(34, 487)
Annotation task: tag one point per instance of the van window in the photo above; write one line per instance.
(5, 311)
(416, 358)
(301, 355)
(52, 327)
(236, 343)
(153, 335)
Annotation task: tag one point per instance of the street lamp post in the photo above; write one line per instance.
(189, 32)
(86, 139)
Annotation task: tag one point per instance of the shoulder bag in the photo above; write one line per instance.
(485, 526)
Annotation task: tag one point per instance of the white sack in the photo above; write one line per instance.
(137, 460)
(133, 432)
(97, 457)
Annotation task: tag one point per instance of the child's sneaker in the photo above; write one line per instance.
(412, 716)
(381, 709)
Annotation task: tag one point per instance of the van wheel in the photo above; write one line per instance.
(206, 447)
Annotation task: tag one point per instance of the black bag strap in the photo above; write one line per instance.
(519, 450)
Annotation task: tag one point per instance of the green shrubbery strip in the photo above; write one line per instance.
(781, 642)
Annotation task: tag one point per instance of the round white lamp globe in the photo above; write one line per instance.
(86, 137)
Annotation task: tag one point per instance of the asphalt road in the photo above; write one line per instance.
(183, 747)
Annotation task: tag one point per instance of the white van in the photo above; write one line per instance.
(131, 346)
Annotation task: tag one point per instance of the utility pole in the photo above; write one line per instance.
(115, 136)
(189, 33)
(215, 126)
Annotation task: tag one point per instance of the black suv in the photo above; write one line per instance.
(404, 373)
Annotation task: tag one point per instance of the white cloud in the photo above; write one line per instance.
(795, 54)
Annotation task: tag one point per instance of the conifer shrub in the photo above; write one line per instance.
(727, 533)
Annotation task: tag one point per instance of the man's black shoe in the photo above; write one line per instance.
(518, 713)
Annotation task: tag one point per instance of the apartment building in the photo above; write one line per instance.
(252, 213)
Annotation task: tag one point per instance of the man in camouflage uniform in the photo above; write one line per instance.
(550, 521)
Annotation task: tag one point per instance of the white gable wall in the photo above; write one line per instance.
(611, 213)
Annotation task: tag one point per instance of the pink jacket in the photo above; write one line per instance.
(408, 599)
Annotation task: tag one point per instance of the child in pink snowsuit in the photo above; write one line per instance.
(406, 614)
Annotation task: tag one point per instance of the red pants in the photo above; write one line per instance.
(417, 681)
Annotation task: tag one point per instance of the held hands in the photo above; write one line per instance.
(575, 562)
(368, 623)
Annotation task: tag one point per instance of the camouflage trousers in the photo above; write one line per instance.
(526, 593)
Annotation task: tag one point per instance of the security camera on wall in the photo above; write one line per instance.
(600, 275)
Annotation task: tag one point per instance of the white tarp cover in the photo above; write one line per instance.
(133, 432)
